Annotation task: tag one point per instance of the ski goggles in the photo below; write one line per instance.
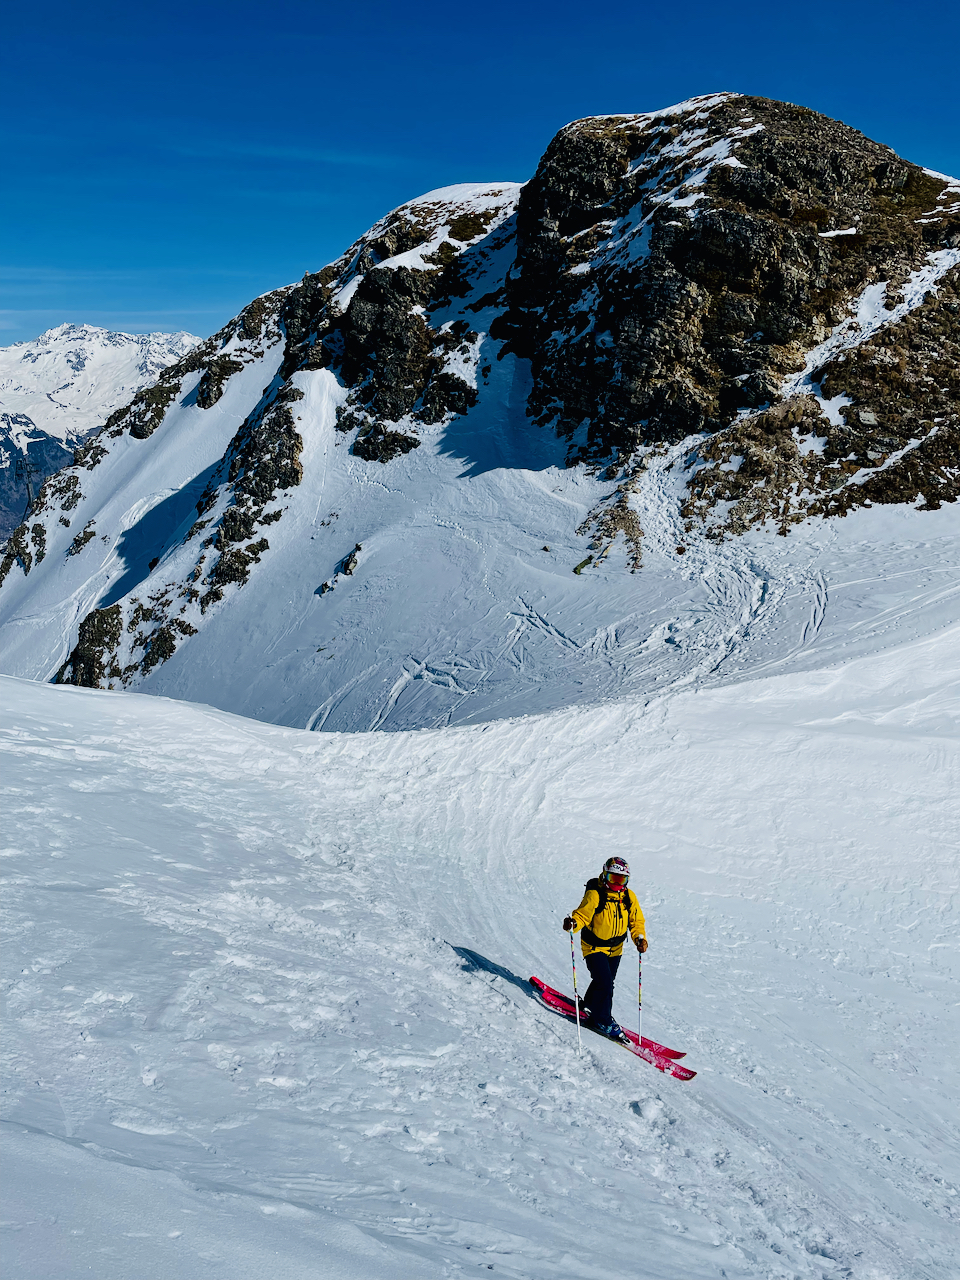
(617, 881)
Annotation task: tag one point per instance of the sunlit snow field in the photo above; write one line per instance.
(266, 1010)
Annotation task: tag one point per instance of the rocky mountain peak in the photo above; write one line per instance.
(675, 269)
(670, 273)
(753, 303)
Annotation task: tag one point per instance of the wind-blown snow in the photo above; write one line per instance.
(266, 1011)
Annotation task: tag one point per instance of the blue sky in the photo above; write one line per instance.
(167, 162)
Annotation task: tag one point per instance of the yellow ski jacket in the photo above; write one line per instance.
(607, 930)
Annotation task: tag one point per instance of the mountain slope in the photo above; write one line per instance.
(525, 446)
(56, 390)
(277, 982)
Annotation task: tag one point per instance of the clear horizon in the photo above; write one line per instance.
(173, 163)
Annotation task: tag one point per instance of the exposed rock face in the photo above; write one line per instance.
(687, 264)
(673, 272)
(759, 283)
(379, 329)
(896, 439)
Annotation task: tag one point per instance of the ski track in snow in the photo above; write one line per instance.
(278, 978)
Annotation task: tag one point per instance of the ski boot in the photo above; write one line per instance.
(612, 1030)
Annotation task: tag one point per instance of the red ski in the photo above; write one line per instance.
(563, 1004)
(658, 1055)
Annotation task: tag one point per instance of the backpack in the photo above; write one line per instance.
(604, 895)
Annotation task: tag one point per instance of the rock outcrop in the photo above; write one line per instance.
(674, 272)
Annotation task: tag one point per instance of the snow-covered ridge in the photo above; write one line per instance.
(693, 109)
(460, 213)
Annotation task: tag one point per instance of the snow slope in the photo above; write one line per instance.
(266, 1010)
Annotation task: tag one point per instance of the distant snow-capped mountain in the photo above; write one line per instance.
(57, 389)
(531, 444)
(70, 379)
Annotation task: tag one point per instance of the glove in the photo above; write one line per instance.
(641, 944)
(567, 924)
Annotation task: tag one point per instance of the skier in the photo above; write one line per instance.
(608, 912)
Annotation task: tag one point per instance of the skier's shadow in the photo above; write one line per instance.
(474, 962)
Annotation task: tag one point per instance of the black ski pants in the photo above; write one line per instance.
(599, 994)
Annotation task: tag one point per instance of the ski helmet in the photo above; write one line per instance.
(616, 872)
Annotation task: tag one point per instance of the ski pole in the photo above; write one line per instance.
(576, 998)
(639, 997)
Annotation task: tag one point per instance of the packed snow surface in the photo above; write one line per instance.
(266, 1000)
